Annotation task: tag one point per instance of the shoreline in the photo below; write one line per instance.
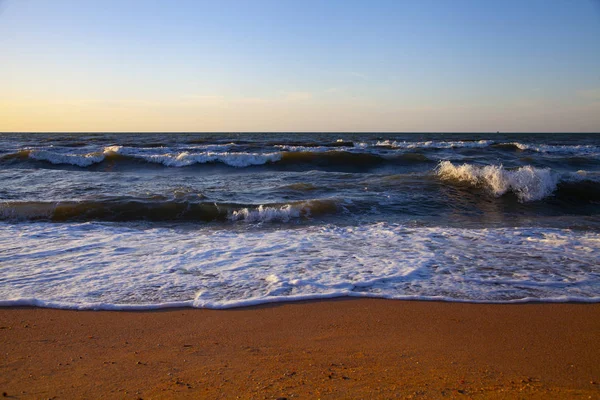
(177, 306)
(332, 348)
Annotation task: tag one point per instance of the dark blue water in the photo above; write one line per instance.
(432, 179)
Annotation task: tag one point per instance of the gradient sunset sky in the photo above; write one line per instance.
(427, 66)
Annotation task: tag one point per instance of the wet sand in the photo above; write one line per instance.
(349, 348)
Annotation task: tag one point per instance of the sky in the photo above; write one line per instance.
(283, 65)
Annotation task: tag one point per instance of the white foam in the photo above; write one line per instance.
(528, 183)
(86, 159)
(221, 153)
(311, 149)
(267, 214)
(185, 158)
(585, 150)
(81, 160)
(170, 158)
(215, 147)
(433, 144)
(232, 159)
(113, 266)
(283, 213)
(112, 149)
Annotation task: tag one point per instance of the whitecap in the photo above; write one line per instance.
(433, 144)
(81, 160)
(267, 214)
(527, 183)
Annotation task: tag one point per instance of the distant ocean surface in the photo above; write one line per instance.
(137, 221)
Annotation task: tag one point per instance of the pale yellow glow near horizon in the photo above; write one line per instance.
(290, 112)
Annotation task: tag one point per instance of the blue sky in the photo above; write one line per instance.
(69, 65)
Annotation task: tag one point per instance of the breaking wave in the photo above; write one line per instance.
(172, 159)
(527, 183)
(123, 210)
(343, 155)
(57, 158)
(284, 213)
(432, 144)
(583, 150)
(317, 157)
(238, 160)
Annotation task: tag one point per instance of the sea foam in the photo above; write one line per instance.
(239, 160)
(286, 212)
(80, 160)
(175, 158)
(584, 150)
(113, 266)
(527, 183)
(170, 158)
(433, 144)
(267, 214)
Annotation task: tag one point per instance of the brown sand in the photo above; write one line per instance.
(362, 349)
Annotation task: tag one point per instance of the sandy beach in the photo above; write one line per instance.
(349, 348)
(281, 200)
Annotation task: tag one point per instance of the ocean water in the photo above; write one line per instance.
(137, 221)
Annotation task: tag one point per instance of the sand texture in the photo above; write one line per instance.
(337, 349)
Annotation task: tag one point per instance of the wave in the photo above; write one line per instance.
(527, 183)
(312, 145)
(588, 150)
(360, 156)
(215, 147)
(585, 150)
(508, 146)
(186, 158)
(81, 160)
(239, 160)
(65, 153)
(147, 145)
(318, 157)
(124, 210)
(284, 213)
(173, 159)
(560, 149)
(84, 160)
(306, 149)
(58, 158)
(433, 144)
(323, 147)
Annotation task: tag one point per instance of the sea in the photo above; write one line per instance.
(130, 221)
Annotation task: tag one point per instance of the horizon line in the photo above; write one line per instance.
(311, 132)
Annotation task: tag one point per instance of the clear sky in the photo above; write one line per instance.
(283, 65)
